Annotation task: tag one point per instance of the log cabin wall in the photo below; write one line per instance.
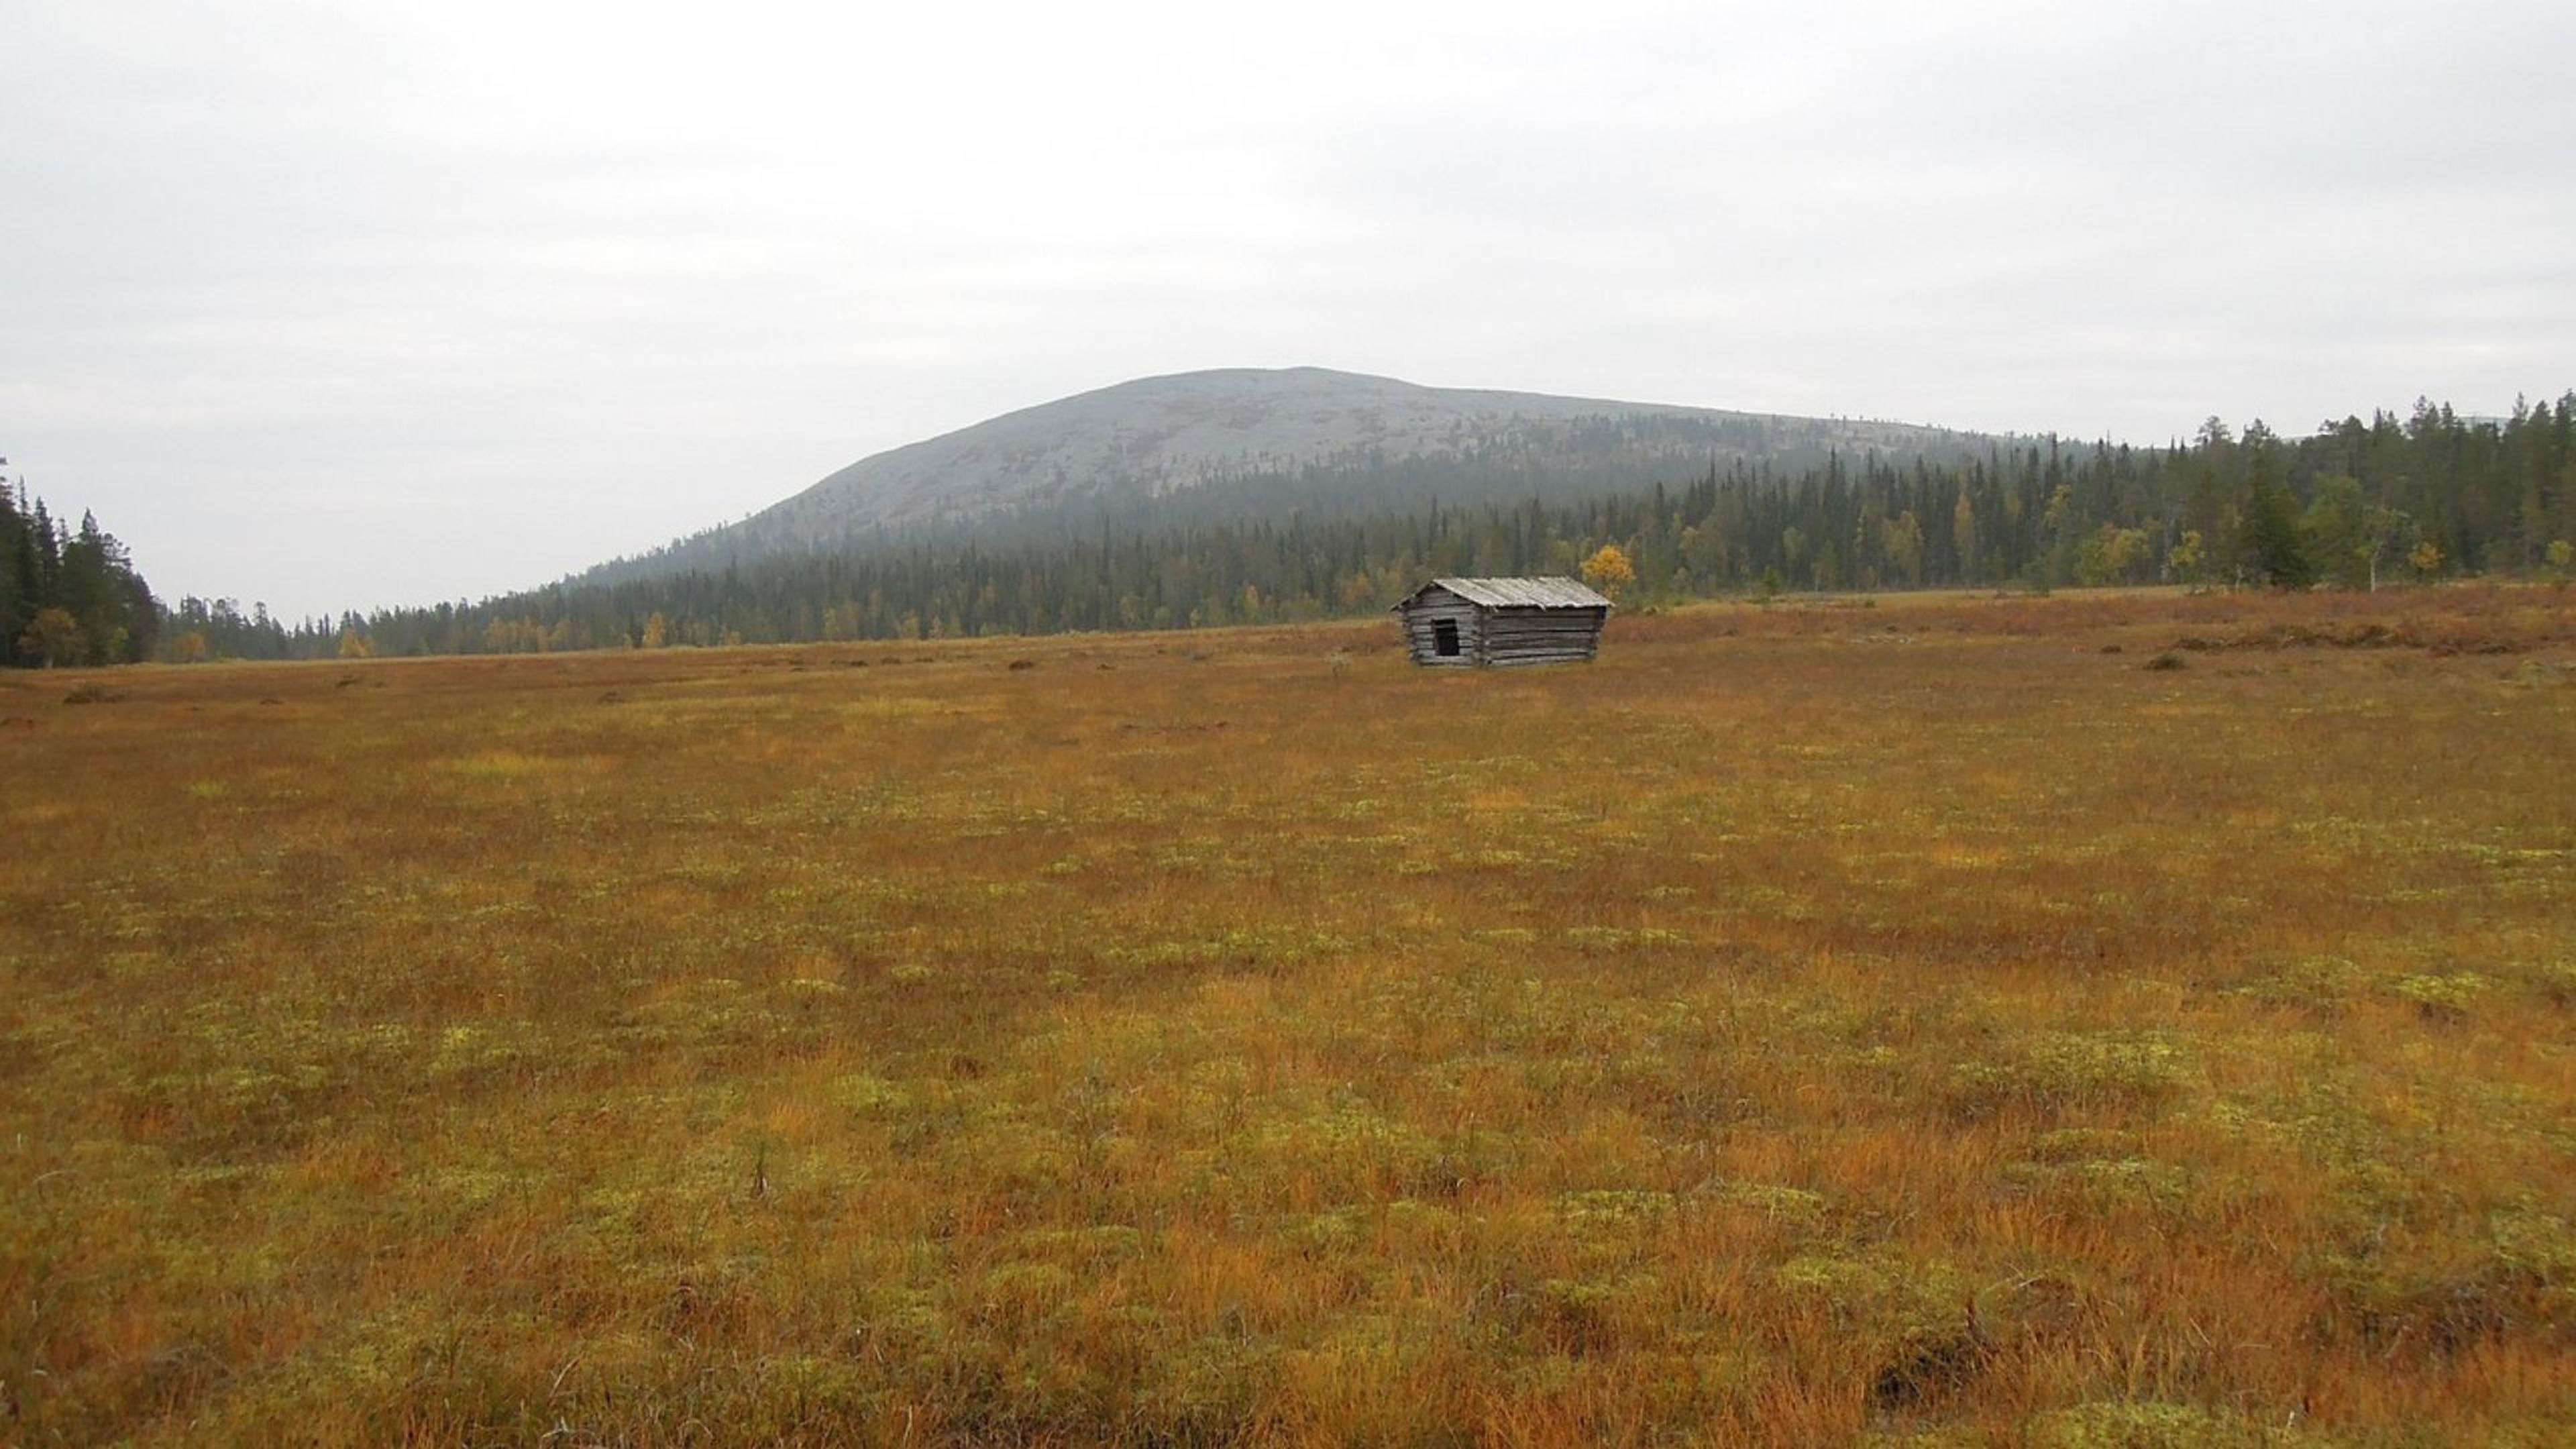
(1541, 636)
(1427, 612)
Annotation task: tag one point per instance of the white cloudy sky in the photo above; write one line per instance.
(337, 305)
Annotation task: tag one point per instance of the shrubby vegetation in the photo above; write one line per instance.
(2431, 495)
(1814, 1021)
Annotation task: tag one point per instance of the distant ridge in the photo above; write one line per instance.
(1251, 442)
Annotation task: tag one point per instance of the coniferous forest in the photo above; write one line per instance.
(67, 596)
(2359, 504)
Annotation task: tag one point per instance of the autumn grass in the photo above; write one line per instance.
(1898, 1017)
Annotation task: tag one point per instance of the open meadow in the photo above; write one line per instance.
(2109, 1019)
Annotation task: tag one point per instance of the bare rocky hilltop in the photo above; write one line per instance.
(1251, 442)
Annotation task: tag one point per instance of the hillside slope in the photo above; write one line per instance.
(1242, 442)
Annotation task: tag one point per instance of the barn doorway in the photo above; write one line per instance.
(1444, 638)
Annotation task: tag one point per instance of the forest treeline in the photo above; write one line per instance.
(67, 595)
(2424, 496)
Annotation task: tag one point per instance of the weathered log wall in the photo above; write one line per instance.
(1421, 629)
(1541, 636)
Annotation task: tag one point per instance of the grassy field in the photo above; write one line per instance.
(2100, 1020)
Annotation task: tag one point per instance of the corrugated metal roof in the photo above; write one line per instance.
(1524, 593)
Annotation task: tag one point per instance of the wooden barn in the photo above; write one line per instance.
(1503, 621)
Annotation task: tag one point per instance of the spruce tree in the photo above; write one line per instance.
(2272, 550)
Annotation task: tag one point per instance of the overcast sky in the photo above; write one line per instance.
(334, 306)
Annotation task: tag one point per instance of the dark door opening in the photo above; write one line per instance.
(1444, 638)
